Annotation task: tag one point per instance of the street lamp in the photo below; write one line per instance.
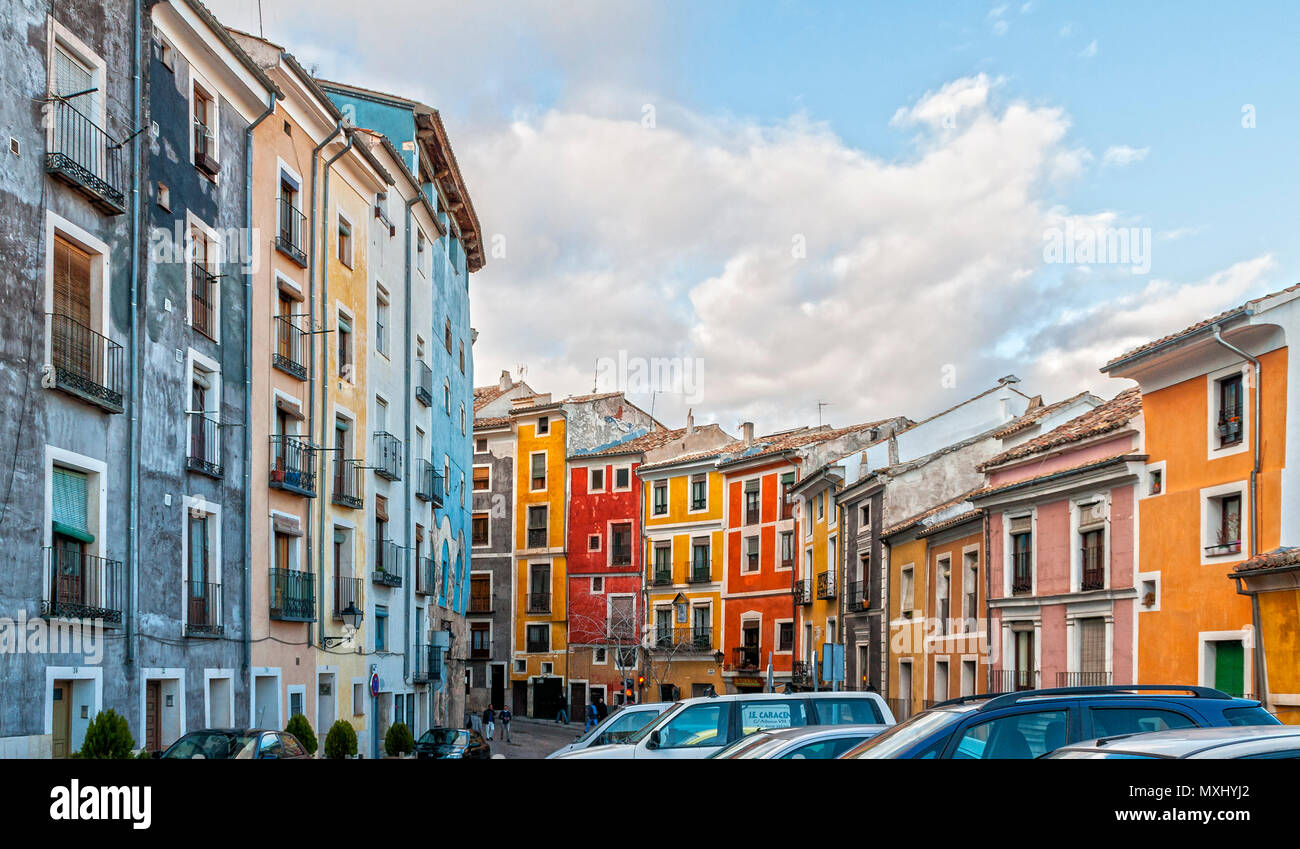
(718, 657)
(352, 617)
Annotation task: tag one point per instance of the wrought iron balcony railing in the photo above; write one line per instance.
(86, 365)
(803, 591)
(1092, 579)
(289, 235)
(349, 483)
(745, 658)
(621, 555)
(537, 537)
(203, 301)
(1022, 579)
(699, 572)
(428, 483)
(203, 609)
(293, 465)
(480, 602)
(1083, 679)
(859, 596)
(799, 672)
(539, 602)
(388, 459)
(662, 576)
(348, 591)
(424, 384)
(389, 563)
(423, 667)
(825, 585)
(291, 340)
(424, 571)
(85, 157)
(293, 595)
(685, 638)
(204, 453)
(1012, 680)
(83, 586)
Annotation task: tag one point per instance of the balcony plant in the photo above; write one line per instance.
(299, 727)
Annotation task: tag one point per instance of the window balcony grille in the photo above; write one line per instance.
(86, 364)
(204, 453)
(293, 465)
(293, 595)
(389, 563)
(291, 340)
(349, 483)
(203, 609)
(203, 301)
(289, 235)
(83, 586)
(388, 460)
(81, 154)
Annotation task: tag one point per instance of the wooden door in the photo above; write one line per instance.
(61, 729)
(1229, 667)
(152, 719)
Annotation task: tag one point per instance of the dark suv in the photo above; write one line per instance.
(1031, 723)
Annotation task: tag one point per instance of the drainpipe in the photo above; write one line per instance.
(988, 615)
(311, 387)
(410, 467)
(1257, 648)
(132, 462)
(248, 381)
(324, 353)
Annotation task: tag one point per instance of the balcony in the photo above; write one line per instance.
(685, 638)
(859, 598)
(289, 235)
(803, 591)
(825, 585)
(293, 465)
(205, 150)
(479, 600)
(293, 595)
(539, 602)
(203, 301)
(349, 484)
(1083, 679)
(662, 576)
(422, 665)
(389, 563)
(428, 483)
(1013, 680)
(424, 386)
(204, 453)
(424, 572)
(621, 555)
(388, 460)
(348, 591)
(82, 586)
(751, 515)
(291, 340)
(203, 610)
(84, 157)
(1022, 576)
(537, 537)
(1092, 579)
(745, 658)
(87, 366)
(699, 572)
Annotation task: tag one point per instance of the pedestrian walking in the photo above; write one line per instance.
(563, 712)
(602, 710)
(488, 725)
(591, 718)
(505, 723)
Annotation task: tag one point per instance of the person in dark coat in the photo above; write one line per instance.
(602, 710)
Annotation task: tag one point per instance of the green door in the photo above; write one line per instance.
(1229, 667)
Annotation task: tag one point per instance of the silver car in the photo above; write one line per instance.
(810, 742)
(1242, 741)
(617, 728)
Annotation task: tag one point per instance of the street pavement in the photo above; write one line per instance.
(534, 738)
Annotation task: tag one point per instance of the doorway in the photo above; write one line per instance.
(498, 688)
(61, 730)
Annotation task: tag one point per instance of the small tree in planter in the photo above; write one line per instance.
(341, 741)
(398, 741)
(299, 727)
(107, 737)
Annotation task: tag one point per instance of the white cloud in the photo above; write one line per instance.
(941, 108)
(1122, 154)
(1000, 27)
(1089, 51)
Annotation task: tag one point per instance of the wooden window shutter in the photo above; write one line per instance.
(71, 281)
(1022, 524)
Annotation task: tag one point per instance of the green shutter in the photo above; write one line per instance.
(787, 478)
(69, 504)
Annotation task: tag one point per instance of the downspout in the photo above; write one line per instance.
(1261, 672)
(248, 381)
(410, 467)
(311, 391)
(1257, 648)
(988, 616)
(133, 497)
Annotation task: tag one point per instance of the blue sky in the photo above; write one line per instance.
(818, 121)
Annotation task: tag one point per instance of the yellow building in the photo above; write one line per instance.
(817, 573)
(1272, 581)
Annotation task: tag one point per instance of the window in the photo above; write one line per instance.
(593, 542)
(598, 585)
(864, 518)
(847, 711)
(787, 495)
(1022, 555)
(345, 240)
(664, 627)
(1156, 482)
(537, 461)
(381, 627)
(663, 564)
(480, 593)
(596, 480)
(1227, 528)
(970, 589)
(697, 725)
(699, 492)
(1108, 722)
(480, 445)
(462, 357)
(700, 557)
(539, 638)
(1230, 411)
(381, 321)
(204, 454)
(543, 425)
(661, 498)
(1092, 548)
(345, 347)
(905, 591)
(537, 526)
(480, 531)
(203, 576)
(751, 503)
(1092, 651)
(751, 554)
(1018, 736)
(205, 136)
(480, 639)
(785, 636)
(621, 544)
(204, 286)
(446, 395)
(787, 549)
(482, 478)
(446, 334)
(755, 716)
(622, 478)
(462, 419)
(821, 506)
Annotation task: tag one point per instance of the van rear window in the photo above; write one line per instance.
(1254, 715)
(847, 712)
(757, 716)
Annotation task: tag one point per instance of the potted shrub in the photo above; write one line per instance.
(107, 737)
(398, 741)
(341, 741)
(299, 727)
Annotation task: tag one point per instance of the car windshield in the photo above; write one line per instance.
(221, 745)
(651, 726)
(904, 735)
(444, 737)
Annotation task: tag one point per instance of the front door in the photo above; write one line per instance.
(61, 730)
(547, 693)
(1229, 667)
(578, 702)
(1024, 660)
(519, 697)
(152, 693)
(498, 695)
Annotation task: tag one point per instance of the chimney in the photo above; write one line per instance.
(690, 422)
(505, 382)
(747, 434)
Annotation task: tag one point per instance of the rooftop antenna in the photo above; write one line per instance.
(595, 372)
(653, 396)
(821, 404)
(260, 32)
(521, 369)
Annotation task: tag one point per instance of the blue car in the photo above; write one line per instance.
(1031, 723)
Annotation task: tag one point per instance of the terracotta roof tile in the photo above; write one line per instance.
(1078, 467)
(1279, 558)
(635, 445)
(1110, 416)
(1032, 415)
(484, 395)
(491, 421)
(919, 518)
(781, 442)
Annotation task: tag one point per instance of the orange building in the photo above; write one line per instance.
(1215, 490)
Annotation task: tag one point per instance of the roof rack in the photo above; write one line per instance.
(1065, 692)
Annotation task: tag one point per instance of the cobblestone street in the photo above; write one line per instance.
(534, 738)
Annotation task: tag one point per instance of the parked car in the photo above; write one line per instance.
(813, 742)
(459, 743)
(1031, 723)
(616, 729)
(1244, 742)
(237, 744)
(698, 727)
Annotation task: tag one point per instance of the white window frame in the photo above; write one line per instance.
(215, 261)
(776, 637)
(383, 306)
(60, 36)
(744, 554)
(1212, 410)
(668, 498)
(1209, 525)
(100, 277)
(1076, 556)
(472, 516)
(342, 313)
(1144, 489)
(690, 497)
(906, 605)
(546, 469)
(96, 500)
(1007, 553)
(591, 472)
(213, 511)
(214, 121)
(599, 543)
(612, 483)
(341, 218)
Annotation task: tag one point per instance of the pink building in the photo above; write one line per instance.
(1061, 511)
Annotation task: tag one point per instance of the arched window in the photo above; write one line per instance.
(446, 394)
(447, 334)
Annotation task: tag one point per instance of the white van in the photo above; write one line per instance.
(696, 728)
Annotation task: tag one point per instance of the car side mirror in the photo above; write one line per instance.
(653, 741)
